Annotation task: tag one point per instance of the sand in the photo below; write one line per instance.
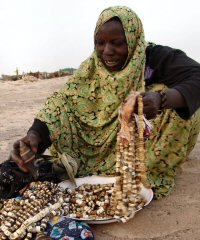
(172, 218)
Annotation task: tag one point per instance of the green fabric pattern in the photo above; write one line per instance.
(82, 117)
(171, 141)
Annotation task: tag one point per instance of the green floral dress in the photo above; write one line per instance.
(82, 117)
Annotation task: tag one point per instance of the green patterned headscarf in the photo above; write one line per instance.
(83, 116)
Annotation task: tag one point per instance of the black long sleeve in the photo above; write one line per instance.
(176, 70)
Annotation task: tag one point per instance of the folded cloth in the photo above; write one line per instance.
(63, 228)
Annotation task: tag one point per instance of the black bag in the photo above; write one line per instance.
(12, 179)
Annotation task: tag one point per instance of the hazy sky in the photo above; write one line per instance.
(46, 35)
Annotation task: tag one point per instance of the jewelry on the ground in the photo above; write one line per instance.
(27, 214)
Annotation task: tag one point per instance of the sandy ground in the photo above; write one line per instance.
(175, 217)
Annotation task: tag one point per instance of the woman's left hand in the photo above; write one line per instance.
(152, 103)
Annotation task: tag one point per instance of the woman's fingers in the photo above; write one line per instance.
(15, 157)
(15, 153)
(33, 140)
(151, 101)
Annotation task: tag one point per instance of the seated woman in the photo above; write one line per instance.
(81, 119)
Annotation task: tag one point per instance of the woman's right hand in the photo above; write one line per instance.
(32, 139)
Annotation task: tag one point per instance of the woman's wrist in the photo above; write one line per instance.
(172, 98)
(35, 133)
(163, 100)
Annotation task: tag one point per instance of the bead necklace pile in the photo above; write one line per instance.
(90, 201)
(22, 216)
(28, 214)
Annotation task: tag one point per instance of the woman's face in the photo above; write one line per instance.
(111, 45)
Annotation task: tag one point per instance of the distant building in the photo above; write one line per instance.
(68, 70)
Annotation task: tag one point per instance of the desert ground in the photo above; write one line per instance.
(175, 217)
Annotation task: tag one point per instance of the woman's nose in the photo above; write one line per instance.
(108, 49)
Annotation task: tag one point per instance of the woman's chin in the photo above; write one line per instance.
(112, 68)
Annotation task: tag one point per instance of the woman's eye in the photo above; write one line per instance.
(118, 43)
(99, 42)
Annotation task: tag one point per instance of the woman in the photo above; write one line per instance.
(81, 120)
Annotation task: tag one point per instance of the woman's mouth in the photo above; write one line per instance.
(111, 63)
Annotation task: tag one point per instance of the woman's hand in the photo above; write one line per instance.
(152, 103)
(32, 139)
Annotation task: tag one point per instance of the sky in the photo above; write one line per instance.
(48, 35)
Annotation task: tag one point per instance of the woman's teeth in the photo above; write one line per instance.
(110, 64)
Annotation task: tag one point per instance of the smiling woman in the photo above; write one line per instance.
(81, 120)
(111, 45)
(81, 123)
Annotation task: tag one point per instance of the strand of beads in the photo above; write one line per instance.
(22, 229)
(20, 217)
(130, 169)
(141, 144)
(42, 236)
